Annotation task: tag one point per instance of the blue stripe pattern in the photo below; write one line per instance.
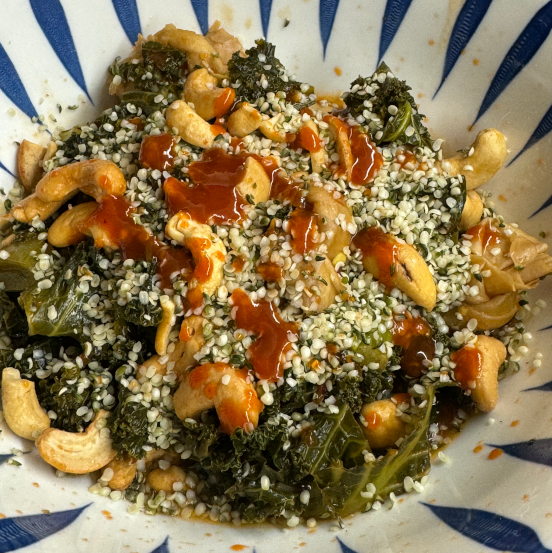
(129, 18)
(535, 451)
(163, 548)
(265, 7)
(543, 128)
(519, 55)
(326, 18)
(4, 168)
(467, 22)
(201, 10)
(18, 532)
(544, 388)
(486, 528)
(345, 548)
(5, 457)
(53, 22)
(395, 10)
(12, 87)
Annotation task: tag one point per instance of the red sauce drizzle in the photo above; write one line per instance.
(413, 334)
(374, 242)
(270, 272)
(224, 101)
(113, 216)
(303, 230)
(374, 420)
(485, 233)
(263, 319)
(408, 157)
(468, 366)
(307, 140)
(156, 152)
(367, 159)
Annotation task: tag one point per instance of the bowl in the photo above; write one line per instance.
(471, 65)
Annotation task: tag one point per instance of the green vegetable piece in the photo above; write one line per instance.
(12, 320)
(16, 271)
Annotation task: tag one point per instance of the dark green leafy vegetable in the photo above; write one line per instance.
(12, 320)
(361, 389)
(247, 72)
(402, 127)
(16, 271)
(34, 355)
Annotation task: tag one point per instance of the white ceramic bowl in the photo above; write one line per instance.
(57, 53)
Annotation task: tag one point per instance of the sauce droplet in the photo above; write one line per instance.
(477, 448)
(495, 454)
(374, 242)
(413, 334)
(486, 234)
(468, 366)
(224, 101)
(367, 159)
(307, 140)
(303, 230)
(156, 152)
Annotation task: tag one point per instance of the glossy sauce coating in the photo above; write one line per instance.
(468, 366)
(224, 101)
(367, 159)
(307, 140)
(114, 218)
(374, 242)
(413, 334)
(271, 272)
(374, 420)
(156, 152)
(303, 229)
(486, 234)
(272, 332)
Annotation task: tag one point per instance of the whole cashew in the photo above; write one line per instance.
(268, 128)
(207, 250)
(343, 145)
(478, 370)
(189, 125)
(381, 425)
(165, 479)
(32, 206)
(473, 210)
(124, 471)
(244, 120)
(226, 389)
(29, 156)
(489, 154)
(23, 413)
(333, 215)
(78, 453)
(201, 90)
(65, 230)
(255, 184)
(318, 159)
(165, 326)
(94, 177)
(491, 314)
(397, 264)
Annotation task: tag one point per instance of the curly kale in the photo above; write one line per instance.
(398, 118)
(162, 70)
(246, 73)
(34, 356)
(361, 389)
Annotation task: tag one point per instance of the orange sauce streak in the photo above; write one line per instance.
(185, 334)
(495, 454)
(270, 272)
(414, 335)
(263, 319)
(239, 263)
(113, 216)
(468, 366)
(217, 129)
(374, 242)
(367, 159)
(224, 101)
(514, 423)
(486, 234)
(374, 421)
(238, 547)
(477, 448)
(307, 140)
(156, 152)
(303, 230)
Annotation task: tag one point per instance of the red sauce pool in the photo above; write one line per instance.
(113, 216)
(468, 366)
(272, 332)
(156, 152)
(374, 242)
(413, 334)
(303, 230)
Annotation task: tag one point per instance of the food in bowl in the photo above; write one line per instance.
(237, 299)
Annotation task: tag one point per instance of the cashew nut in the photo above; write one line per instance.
(255, 184)
(268, 128)
(201, 90)
(165, 326)
(473, 210)
(94, 177)
(224, 43)
(489, 154)
(492, 313)
(381, 425)
(124, 471)
(478, 370)
(244, 120)
(208, 252)
(318, 159)
(191, 341)
(165, 479)
(23, 413)
(226, 389)
(189, 125)
(334, 216)
(198, 49)
(78, 453)
(397, 264)
(29, 156)
(65, 229)
(32, 206)
(343, 146)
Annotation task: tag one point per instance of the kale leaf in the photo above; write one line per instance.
(16, 271)
(404, 126)
(361, 389)
(12, 320)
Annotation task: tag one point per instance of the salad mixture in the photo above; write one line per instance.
(238, 300)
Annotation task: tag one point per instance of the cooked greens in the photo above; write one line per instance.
(16, 270)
